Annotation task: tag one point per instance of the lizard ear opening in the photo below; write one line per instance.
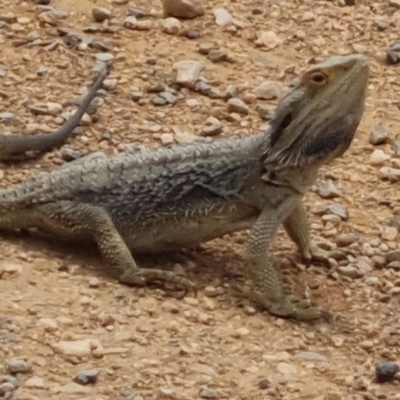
(279, 127)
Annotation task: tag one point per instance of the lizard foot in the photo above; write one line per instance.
(319, 254)
(292, 307)
(142, 276)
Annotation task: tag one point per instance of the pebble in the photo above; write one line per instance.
(264, 384)
(222, 17)
(386, 371)
(236, 105)
(35, 382)
(183, 8)
(166, 139)
(378, 157)
(171, 26)
(346, 239)
(144, 25)
(100, 14)
(268, 90)
(8, 118)
(390, 174)
(79, 348)
(18, 365)
(214, 127)
(86, 376)
(104, 57)
(49, 324)
(130, 22)
(379, 135)
(73, 388)
(208, 393)
(94, 282)
(269, 39)
(311, 356)
(187, 72)
(138, 12)
(328, 190)
(350, 271)
(389, 233)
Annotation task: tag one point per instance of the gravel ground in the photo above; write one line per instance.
(68, 330)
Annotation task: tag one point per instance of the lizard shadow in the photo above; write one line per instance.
(214, 263)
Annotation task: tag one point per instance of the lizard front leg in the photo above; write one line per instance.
(296, 226)
(77, 220)
(266, 286)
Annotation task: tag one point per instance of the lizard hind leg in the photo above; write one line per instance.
(81, 220)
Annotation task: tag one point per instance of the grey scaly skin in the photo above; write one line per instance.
(176, 197)
(16, 147)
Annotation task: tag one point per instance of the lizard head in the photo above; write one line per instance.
(317, 119)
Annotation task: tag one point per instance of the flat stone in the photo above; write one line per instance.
(183, 8)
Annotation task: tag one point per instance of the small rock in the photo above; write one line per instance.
(192, 33)
(168, 97)
(104, 57)
(49, 324)
(236, 105)
(136, 96)
(183, 8)
(171, 26)
(389, 233)
(130, 22)
(166, 139)
(68, 154)
(79, 348)
(10, 267)
(390, 174)
(209, 393)
(287, 369)
(87, 376)
(206, 47)
(35, 382)
(264, 384)
(380, 24)
(269, 39)
(311, 356)
(94, 282)
(385, 371)
(138, 13)
(42, 70)
(350, 271)
(144, 25)
(73, 388)
(328, 190)
(339, 210)
(231, 91)
(217, 56)
(8, 17)
(346, 239)
(8, 118)
(379, 135)
(188, 72)
(17, 365)
(214, 128)
(268, 90)
(392, 57)
(100, 14)
(378, 157)
(222, 17)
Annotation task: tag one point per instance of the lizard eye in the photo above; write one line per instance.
(318, 77)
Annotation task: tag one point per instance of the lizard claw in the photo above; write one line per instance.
(321, 255)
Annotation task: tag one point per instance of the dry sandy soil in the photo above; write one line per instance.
(61, 314)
